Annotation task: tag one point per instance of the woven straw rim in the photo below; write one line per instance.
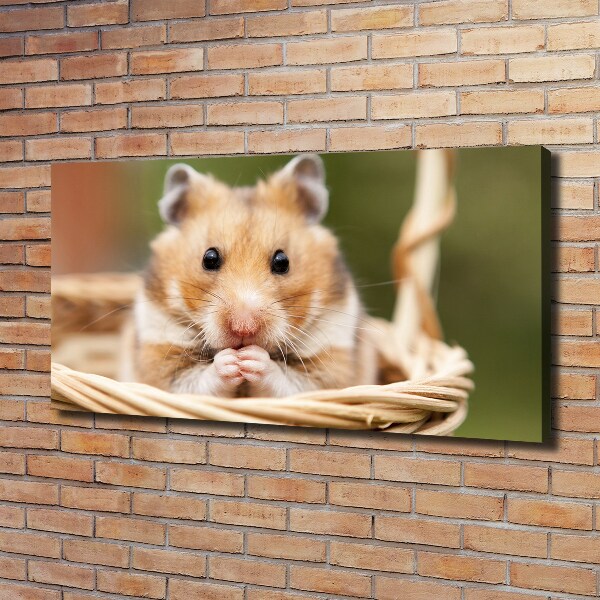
(432, 401)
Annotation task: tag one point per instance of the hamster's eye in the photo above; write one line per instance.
(211, 260)
(280, 263)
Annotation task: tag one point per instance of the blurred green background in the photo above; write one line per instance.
(490, 285)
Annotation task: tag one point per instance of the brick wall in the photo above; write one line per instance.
(103, 507)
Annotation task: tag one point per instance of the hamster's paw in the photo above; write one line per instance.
(227, 369)
(254, 363)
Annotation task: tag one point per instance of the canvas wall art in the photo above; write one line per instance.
(396, 292)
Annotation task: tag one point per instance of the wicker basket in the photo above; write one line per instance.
(429, 384)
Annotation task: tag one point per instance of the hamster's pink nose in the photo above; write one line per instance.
(244, 323)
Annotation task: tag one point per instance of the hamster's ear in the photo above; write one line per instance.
(308, 173)
(174, 204)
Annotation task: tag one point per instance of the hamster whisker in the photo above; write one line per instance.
(341, 312)
(295, 351)
(205, 291)
(390, 282)
(292, 297)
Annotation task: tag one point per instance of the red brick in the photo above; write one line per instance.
(10, 306)
(498, 540)
(115, 92)
(483, 133)
(73, 41)
(58, 95)
(286, 547)
(125, 474)
(413, 105)
(244, 570)
(94, 66)
(466, 72)
(25, 385)
(553, 578)
(65, 148)
(209, 539)
(156, 10)
(369, 138)
(287, 24)
(415, 43)
(502, 102)
(564, 450)
(329, 522)
(32, 492)
(12, 516)
(246, 113)
(63, 575)
(13, 568)
(167, 61)
(170, 451)
(372, 77)
(462, 568)
(387, 589)
(286, 489)
(10, 98)
(463, 11)
(244, 56)
(38, 255)
(93, 120)
(12, 46)
(134, 37)
(247, 457)
(167, 561)
(329, 581)
(12, 254)
(207, 142)
(179, 115)
(574, 259)
(13, 464)
(26, 592)
(538, 9)
(171, 507)
(38, 307)
(30, 19)
(38, 201)
(199, 30)
(551, 68)
(417, 531)
(11, 358)
(180, 589)
(95, 499)
(142, 144)
(506, 477)
(304, 140)
(339, 464)
(96, 553)
(384, 17)
(222, 7)
(12, 124)
(575, 548)
(60, 521)
(29, 437)
(393, 468)
(207, 86)
(11, 150)
(372, 557)
(207, 482)
(460, 506)
(29, 543)
(87, 15)
(58, 467)
(252, 514)
(331, 50)
(575, 484)
(282, 83)
(132, 584)
(548, 513)
(29, 176)
(29, 71)
(130, 529)
(105, 444)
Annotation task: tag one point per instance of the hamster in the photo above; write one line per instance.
(246, 294)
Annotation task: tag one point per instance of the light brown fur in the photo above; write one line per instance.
(248, 225)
